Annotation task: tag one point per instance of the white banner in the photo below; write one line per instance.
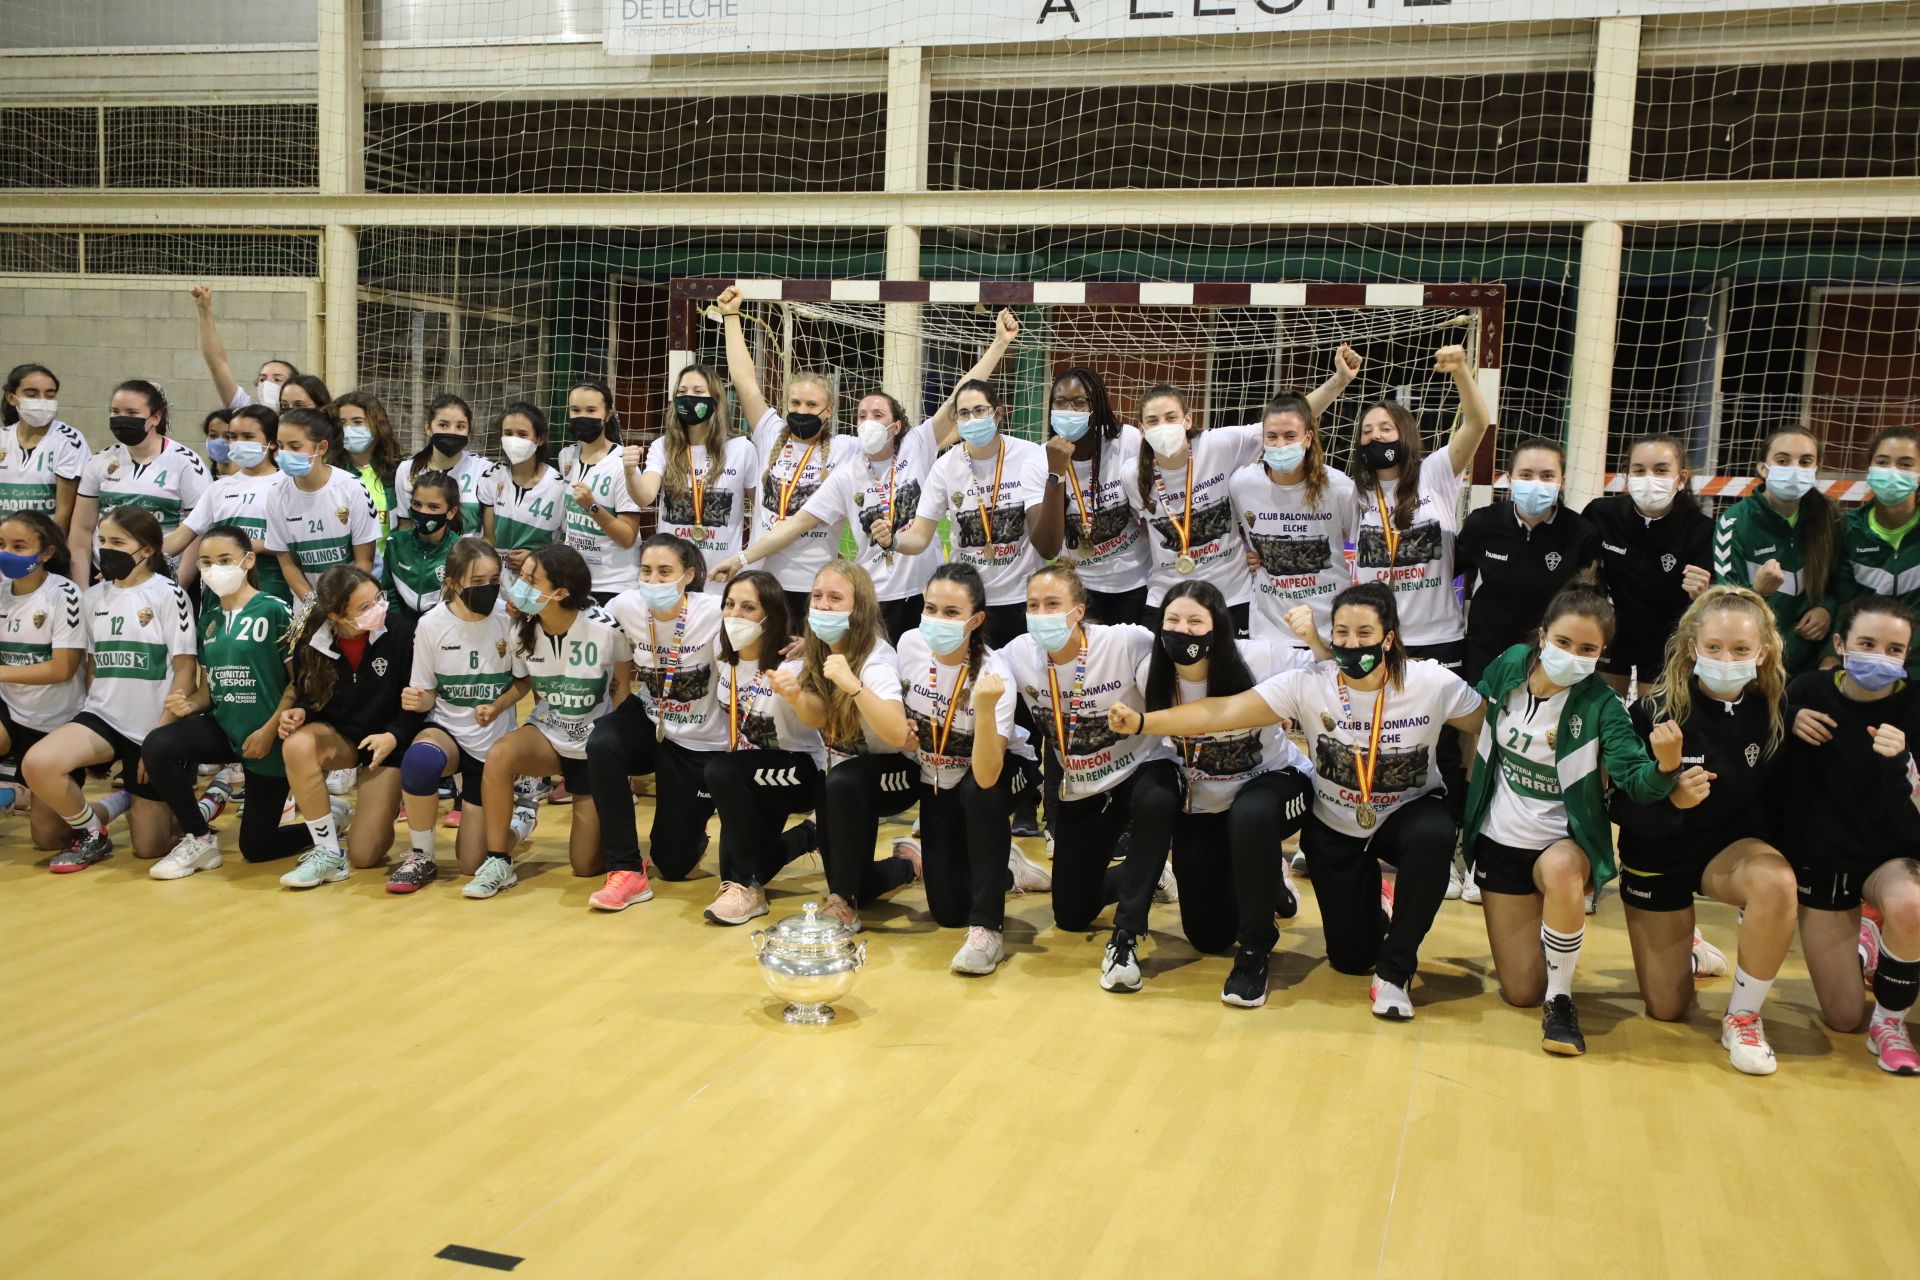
(646, 28)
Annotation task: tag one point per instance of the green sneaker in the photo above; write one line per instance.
(317, 867)
(494, 875)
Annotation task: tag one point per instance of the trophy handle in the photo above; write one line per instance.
(860, 954)
(760, 942)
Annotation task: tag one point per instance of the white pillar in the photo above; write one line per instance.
(340, 303)
(909, 104)
(342, 172)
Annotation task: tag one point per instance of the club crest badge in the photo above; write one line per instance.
(113, 467)
(340, 514)
(1574, 726)
(39, 618)
(499, 648)
(1753, 754)
(1553, 561)
(859, 499)
(1250, 520)
(380, 667)
(1553, 739)
(145, 617)
(1667, 562)
(1326, 719)
(958, 499)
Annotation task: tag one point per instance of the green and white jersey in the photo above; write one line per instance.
(469, 470)
(169, 486)
(30, 478)
(525, 519)
(241, 499)
(466, 665)
(614, 567)
(572, 676)
(322, 528)
(134, 634)
(416, 567)
(245, 657)
(1528, 811)
(32, 627)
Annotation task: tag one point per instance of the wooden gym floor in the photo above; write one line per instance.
(217, 1077)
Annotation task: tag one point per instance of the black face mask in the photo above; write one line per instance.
(585, 430)
(1357, 662)
(481, 598)
(1381, 454)
(804, 426)
(128, 429)
(449, 444)
(426, 523)
(694, 410)
(1186, 649)
(116, 564)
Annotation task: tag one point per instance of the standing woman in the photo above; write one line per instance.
(797, 450)
(1654, 556)
(449, 435)
(1086, 508)
(417, 553)
(234, 714)
(1785, 542)
(850, 692)
(580, 666)
(143, 468)
(41, 457)
(1537, 824)
(320, 516)
(461, 700)
(959, 697)
(140, 648)
(528, 498)
(42, 685)
(367, 448)
(1882, 559)
(698, 471)
(1517, 556)
(1724, 686)
(1241, 794)
(272, 378)
(770, 766)
(240, 498)
(214, 428)
(603, 520)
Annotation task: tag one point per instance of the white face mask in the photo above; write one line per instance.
(518, 450)
(875, 435)
(38, 413)
(1652, 494)
(223, 579)
(267, 393)
(741, 632)
(1166, 439)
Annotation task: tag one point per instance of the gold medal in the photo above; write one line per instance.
(1183, 565)
(700, 533)
(1365, 816)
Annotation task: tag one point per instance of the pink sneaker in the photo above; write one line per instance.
(1869, 946)
(838, 908)
(1890, 1043)
(622, 890)
(1386, 897)
(453, 818)
(737, 903)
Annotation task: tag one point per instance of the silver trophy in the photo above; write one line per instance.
(809, 961)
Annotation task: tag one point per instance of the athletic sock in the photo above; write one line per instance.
(503, 857)
(86, 821)
(422, 841)
(1563, 954)
(113, 804)
(1894, 986)
(325, 834)
(1749, 992)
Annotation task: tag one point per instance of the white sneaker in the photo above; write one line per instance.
(1048, 837)
(1299, 861)
(1453, 882)
(1168, 890)
(494, 875)
(1587, 902)
(1028, 875)
(341, 781)
(1120, 965)
(916, 833)
(1709, 961)
(1470, 889)
(1745, 1041)
(1391, 1002)
(981, 954)
(193, 853)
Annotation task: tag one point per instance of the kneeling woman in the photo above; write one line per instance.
(1537, 829)
(458, 703)
(580, 666)
(41, 681)
(139, 629)
(233, 715)
(1245, 791)
(1724, 686)
(350, 662)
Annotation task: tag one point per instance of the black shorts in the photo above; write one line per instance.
(574, 773)
(1501, 868)
(1829, 888)
(126, 752)
(20, 738)
(469, 773)
(1671, 889)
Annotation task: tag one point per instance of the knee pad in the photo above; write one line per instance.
(421, 769)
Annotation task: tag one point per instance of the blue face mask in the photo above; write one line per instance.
(219, 450)
(247, 453)
(661, 596)
(831, 627)
(1050, 630)
(525, 596)
(1286, 458)
(1790, 484)
(979, 431)
(1874, 671)
(1892, 486)
(13, 565)
(357, 439)
(1534, 497)
(1069, 425)
(943, 635)
(295, 464)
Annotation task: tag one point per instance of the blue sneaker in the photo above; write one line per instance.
(317, 867)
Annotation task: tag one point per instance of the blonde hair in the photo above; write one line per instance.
(1674, 691)
(864, 630)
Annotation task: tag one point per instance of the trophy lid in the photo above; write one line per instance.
(810, 930)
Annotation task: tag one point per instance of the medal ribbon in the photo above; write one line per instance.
(1160, 491)
(733, 705)
(1080, 503)
(945, 731)
(1387, 530)
(1364, 768)
(793, 481)
(1064, 725)
(986, 513)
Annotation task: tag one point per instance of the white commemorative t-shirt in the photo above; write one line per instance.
(767, 721)
(1527, 811)
(320, 529)
(614, 567)
(1096, 758)
(1302, 550)
(1113, 554)
(168, 486)
(572, 677)
(990, 524)
(674, 667)
(721, 527)
(1219, 553)
(791, 473)
(943, 746)
(1218, 764)
(32, 627)
(1340, 728)
(469, 469)
(1421, 572)
(465, 665)
(864, 490)
(134, 634)
(524, 518)
(30, 478)
(881, 674)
